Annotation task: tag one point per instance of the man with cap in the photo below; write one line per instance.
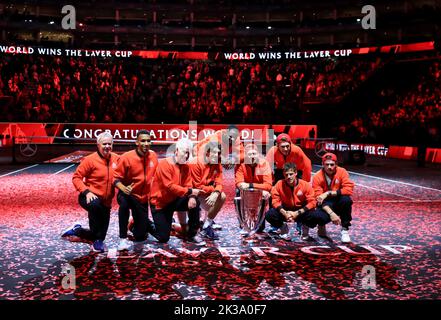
(285, 151)
(333, 189)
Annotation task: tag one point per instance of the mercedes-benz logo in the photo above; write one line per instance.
(28, 149)
(320, 149)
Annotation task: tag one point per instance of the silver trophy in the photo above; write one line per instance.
(250, 209)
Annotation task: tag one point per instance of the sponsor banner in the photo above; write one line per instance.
(433, 155)
(371, 149)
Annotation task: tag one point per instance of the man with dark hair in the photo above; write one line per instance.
(283, 152)
(133, 177)
(207, 176)
(333, 189)
(94, 180)
(172, 190)
(292, 200)
(232, 151)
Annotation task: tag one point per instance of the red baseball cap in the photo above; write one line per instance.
(329, 156)
(283, 137)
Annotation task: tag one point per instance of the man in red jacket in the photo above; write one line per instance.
(232, 151)
(254, 173)
(293, 200)
(133, 177)
(172, 190)
(207, 176)
(94, 181)
(285, 151)
(333, 189)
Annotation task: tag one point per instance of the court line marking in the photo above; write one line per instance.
(390, 180)
(19, 170)
(395, 194)
(397, 201)
(59, 171)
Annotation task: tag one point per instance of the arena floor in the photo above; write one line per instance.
(396, 236)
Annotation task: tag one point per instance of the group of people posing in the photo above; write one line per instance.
(191, 179)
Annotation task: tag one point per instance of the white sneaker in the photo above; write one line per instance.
(305, 233)
(321, 231)
(243, 233)
(216, 226)
(284, 232)
(197, 240)
(345, 236)
(124, 244)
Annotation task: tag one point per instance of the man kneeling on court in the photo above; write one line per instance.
(207, 176)
(172, 191)
(333, 190)
(293, 200)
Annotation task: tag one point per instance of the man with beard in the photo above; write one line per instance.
(333, 189)
(94, 181)
(133, 177)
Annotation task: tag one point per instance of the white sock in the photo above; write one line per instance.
(208, 222)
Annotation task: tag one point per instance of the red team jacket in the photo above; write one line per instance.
(171, 180)
(134, 168)
(207, 177)
(340, 183)
(261, 176)
(277, 159)
(302, 195)
(96, 175)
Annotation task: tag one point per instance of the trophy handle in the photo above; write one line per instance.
(238, 210)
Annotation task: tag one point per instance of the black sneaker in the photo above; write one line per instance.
(98, 246)
(71, 231)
